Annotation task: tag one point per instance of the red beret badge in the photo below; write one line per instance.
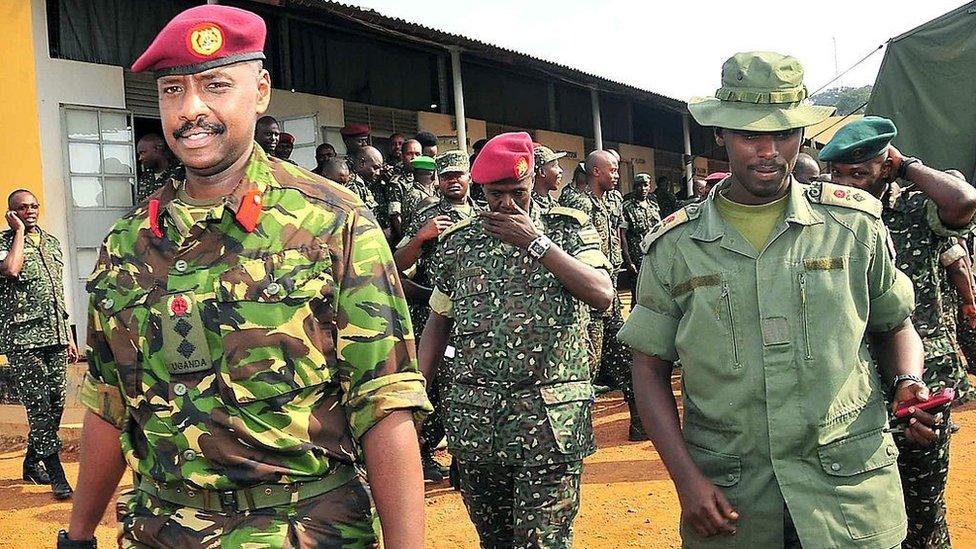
(521, 168)
(205, 39)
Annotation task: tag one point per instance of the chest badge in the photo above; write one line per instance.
(185, 347)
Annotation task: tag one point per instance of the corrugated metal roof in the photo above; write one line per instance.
(406, 30)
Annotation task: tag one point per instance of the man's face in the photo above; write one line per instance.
(150, 154)
(268, 134)
(503, 196)
(324, 154)
(208, 118)
(370, 167)
(761, 161)
(640, 189)
(284, 150)
(342, 176)
(608, 176)
(424, 177)
(396, 146)
(356, 144)
(868, 176)
(454, 185)
(552, 174)
(430, 151)
(27, 208)
(410, 151)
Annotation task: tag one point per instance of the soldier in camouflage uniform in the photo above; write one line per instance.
(922, 220)
(422, 187)
(548, 176)
(156, 167)
(34, 334)
(249, 343)
(608, 357)
(512, 288)
(639, 215)
(400, 179)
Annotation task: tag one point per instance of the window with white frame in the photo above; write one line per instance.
(100, 157)
(303, 129)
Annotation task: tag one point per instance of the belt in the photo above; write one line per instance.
(245, 499)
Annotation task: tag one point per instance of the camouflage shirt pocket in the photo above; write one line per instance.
(471, 299)
(568, 412)
(275, 319)
(122, 303)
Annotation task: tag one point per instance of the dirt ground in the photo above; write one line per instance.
(628, 500)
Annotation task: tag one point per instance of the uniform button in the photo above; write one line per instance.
(257, 199)
(180, 265)
(890, 450)
(189, 455)
(835, 466)
(179, 389)
(731, 477)
(274, 288)
(108, 303)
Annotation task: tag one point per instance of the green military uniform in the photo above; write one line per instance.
(544, 202)
(150, 182)
(34, 334)
(361, 188)
(518, 412)
(638, 217)
(544, 155)
(243, 347)
(782, 407)
(921, 242)
(388, 196)
(413, 194)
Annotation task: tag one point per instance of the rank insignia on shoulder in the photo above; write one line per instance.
(590, 235)
(677, 218)
(847, 197)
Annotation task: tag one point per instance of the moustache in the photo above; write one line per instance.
(216, 127)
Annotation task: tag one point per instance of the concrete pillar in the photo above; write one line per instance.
(597, 126)
(689, 164)
(462, 130)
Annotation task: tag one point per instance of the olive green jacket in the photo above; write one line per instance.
(782, 404)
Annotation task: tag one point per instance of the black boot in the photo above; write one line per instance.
(33, 471)
(432, 469)
(636, 433)
(455, 475)
(59, 483)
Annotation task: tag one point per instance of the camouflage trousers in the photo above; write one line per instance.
(514, 506)
(949, 371)
(616, 357)
(39, 377)
(966, 337)
(341, 518)
(924, 471)
(432, 430)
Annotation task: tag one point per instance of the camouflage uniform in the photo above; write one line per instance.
(389, 197)
(413, 194)
(34, 335)
(919, 238)
(361, 188)
(638, 217)
(433, 429)
(545, 203)
(518, 411)
(243, 348)
(149, 183)
(607, 356)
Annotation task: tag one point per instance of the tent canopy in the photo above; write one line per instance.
(927, 87)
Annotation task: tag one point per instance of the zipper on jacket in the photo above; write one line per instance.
(727, 297)
(803, 314)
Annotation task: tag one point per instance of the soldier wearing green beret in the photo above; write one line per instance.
(639, 215)
(766, 292)
(926, 210)
(421, 187)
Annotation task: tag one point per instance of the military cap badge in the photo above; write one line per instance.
(205, 39)
(521, 167)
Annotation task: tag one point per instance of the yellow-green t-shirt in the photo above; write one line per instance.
(755, 223)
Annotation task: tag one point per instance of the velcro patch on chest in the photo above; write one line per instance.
(695, 282)
(823, 263)
(590, 236)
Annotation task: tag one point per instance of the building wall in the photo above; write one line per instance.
(288, 104)
(442, 125)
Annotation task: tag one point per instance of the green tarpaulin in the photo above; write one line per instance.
(927, 85)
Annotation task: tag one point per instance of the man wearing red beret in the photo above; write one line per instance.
(248, 336)
(512, 290)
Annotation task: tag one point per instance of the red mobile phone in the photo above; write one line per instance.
(936, 399)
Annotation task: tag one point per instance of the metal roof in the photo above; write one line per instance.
(406, 30)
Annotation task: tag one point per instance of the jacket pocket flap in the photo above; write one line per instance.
(114, 291)
(858, 454)
(567, 392)
(722, 469)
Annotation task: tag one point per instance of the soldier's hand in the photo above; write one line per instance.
(515, 228)
(705, 508)
(921, 427)
(15, 222)
(72, 353)
(895, 157)
(433, 228)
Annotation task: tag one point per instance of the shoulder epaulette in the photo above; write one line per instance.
(679, 217)
(832, 194)
(422, 207)
(578, 215)
(455, 227)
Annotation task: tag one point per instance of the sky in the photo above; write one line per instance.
(677, 48)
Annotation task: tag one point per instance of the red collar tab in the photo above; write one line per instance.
(250, 209)
(154, 218)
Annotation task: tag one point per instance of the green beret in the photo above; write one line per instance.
(642, 178)
(860, 141)
(423, 163)
(452, 161)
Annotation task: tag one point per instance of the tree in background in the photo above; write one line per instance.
(847, 99)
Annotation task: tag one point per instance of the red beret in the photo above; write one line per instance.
(354, 130)
(504, 157)
(286, 138)
(203, 38)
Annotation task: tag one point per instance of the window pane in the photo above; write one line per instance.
(86, 258)
(86, 192)
(84, 158)
(115, 127)
(304, 157)
(118, 158)
(118, 191)
(82, 125)
(333, 137)
(302, 128)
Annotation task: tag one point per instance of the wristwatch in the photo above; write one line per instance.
(905, 163)
(538, 247)
(903, 377)
(66, 543)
